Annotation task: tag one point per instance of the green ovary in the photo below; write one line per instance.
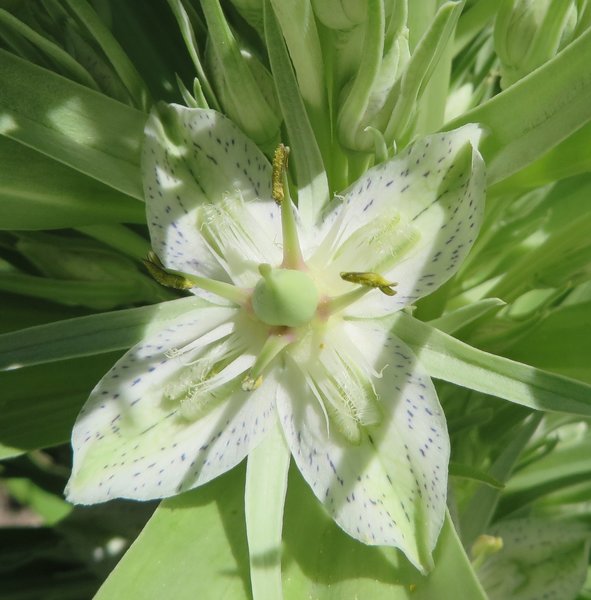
(284, 297)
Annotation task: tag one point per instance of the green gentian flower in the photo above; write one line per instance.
(291, 323)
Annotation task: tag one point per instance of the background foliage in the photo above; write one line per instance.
(508, 339)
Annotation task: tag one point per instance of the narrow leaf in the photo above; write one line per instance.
(58, 55)
(39, 404)
(311, 178)
(479, 511)
(459, 318)
(39, 193)
(113, 51)
(468, 472)
(447, 358)
(537, 113)
(85, 336)
(266, 486)
(59, 118)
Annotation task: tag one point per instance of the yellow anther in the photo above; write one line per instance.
(249, 383)
(162, 276)
(279, 169)
(368, 279)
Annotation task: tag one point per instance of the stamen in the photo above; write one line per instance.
(367, 281)
(233, 234)
(349, 397)
(292, 254)
(215, 385)
(280, 160)
(164, 277)
(183, 281)
(215, 335)
(373, 280)
(272, 347)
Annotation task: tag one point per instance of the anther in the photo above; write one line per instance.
(249, 384)
(369, 279)
(157, 270)
(184, 281)
(279, 169)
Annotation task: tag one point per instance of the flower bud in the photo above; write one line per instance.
(366, 101)
(340, 14)
(244, 86)
(528, 33)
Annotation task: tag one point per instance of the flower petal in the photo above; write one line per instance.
(170, 415)
(390, 488)
(540, 558)
(412, 219)
(196, 163)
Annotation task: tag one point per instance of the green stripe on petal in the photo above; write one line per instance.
(390, 488)
(437, 189)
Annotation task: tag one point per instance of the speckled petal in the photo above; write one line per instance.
(426, 207)
(133, 439)
(390, 489)
(197, 157)
(540, 559)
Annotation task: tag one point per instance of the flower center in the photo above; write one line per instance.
(284, 297)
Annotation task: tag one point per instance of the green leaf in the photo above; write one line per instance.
(240, 88)
(453, 576)
(264, 498)
(477, 514)
(311, 179)
(39, 404)
(58, 56)
(85, 336)
(113, 51)
(468, 472)
(49, 507)
(9, 452)
(201, 534)
(188, 35)
(119, 237)
(535, 114)
(446, 358)
(461, 317)
(39, 193)
(61, 119)
(101, 295)
(472, 21)
(17, 312)
(561, 468)
(323, 563)
(567, 159)
(560, 342)
(193, 547)
(301, 36)
(424, 59)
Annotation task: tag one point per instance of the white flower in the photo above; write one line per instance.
(296, 327)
